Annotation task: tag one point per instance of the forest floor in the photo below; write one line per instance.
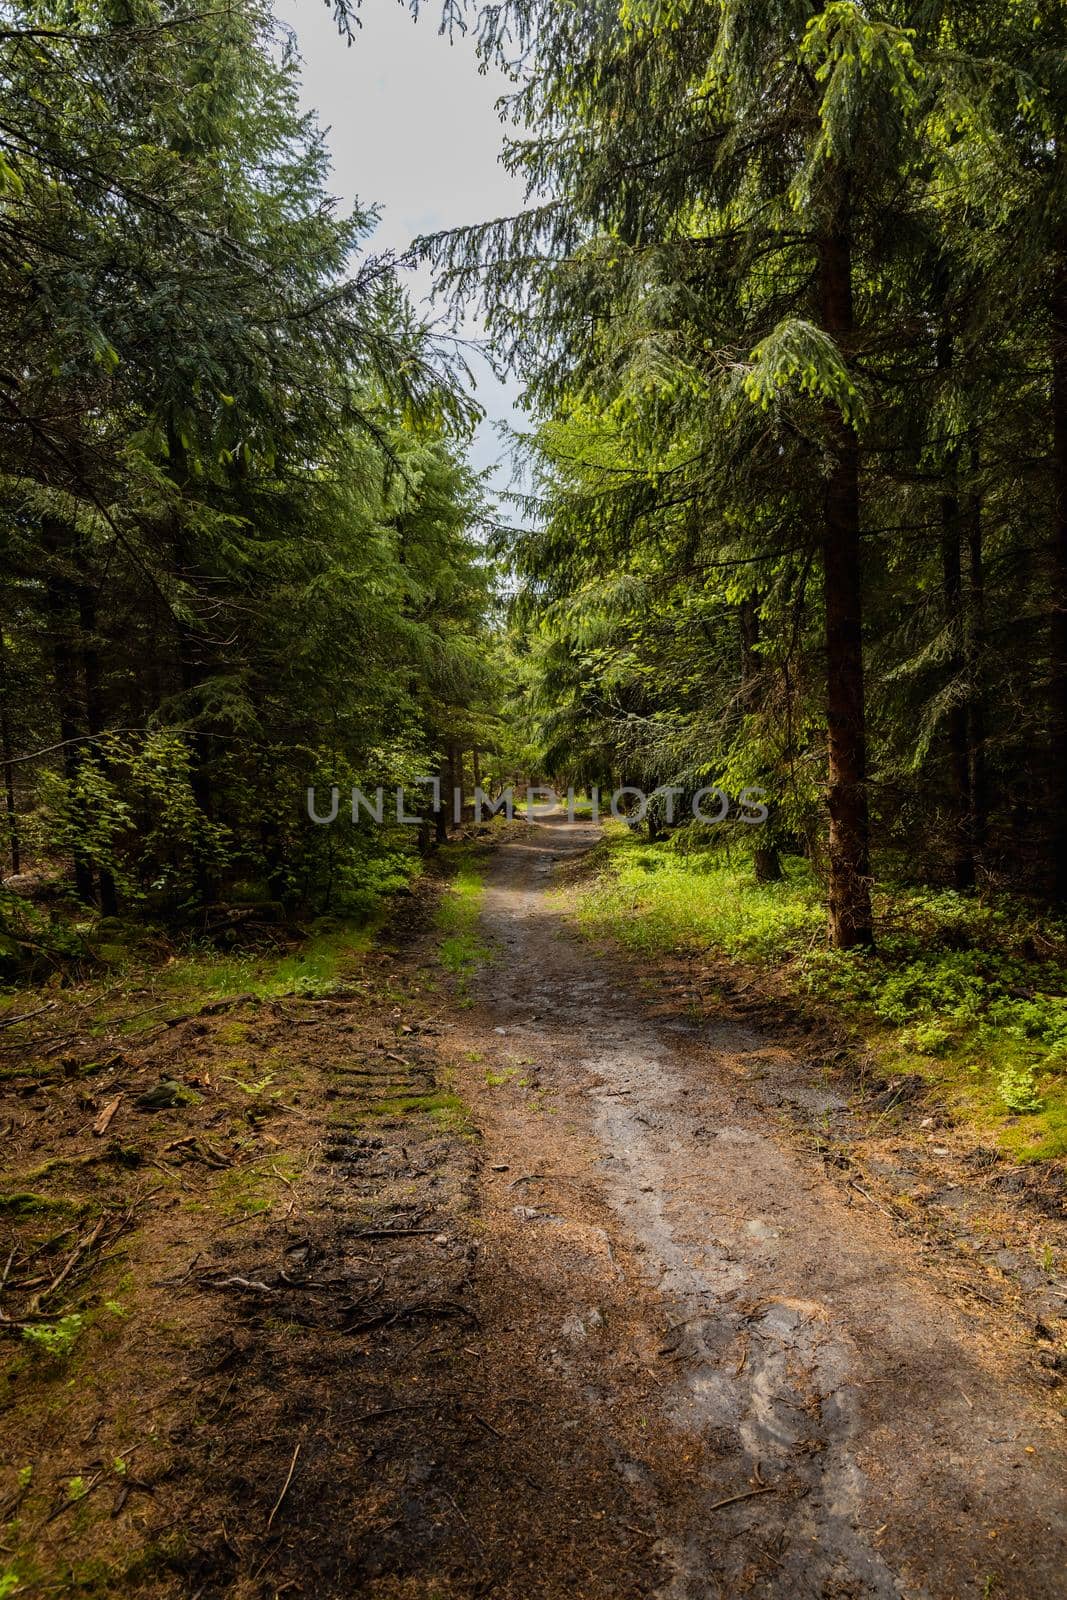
(511, 1266)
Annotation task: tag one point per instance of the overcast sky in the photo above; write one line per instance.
(412, 126)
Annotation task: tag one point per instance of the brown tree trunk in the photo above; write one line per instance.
(959, 771)
(1058, 640)
(958, 762)
(9, 770)
(766, 862)
(94, 714)
(60, 599)
(973, 643)
(9, 794)
(441, 815)
(192, 668)
(850, 921)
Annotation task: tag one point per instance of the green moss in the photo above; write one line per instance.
(496, 1080)
(251, 1191)
(442, 1105)
(24, 1203)
(231, 1033)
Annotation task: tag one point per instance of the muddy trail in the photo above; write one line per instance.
(843, 1429)
(516, 1283)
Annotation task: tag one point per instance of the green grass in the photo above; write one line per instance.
(442, 1105)
(583, 805)
(970, 993)
(460, 946)
(316, 968)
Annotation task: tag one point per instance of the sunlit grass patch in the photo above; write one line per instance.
(955, 991)
(651, 897)
(460, 946)
(441, 1105)
(316, 968)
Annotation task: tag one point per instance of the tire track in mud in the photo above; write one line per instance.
(853, 1433)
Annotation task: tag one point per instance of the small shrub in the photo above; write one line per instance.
(928, 1039)
(1017, 1089)
(55, 1340)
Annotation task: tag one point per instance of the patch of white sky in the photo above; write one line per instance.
(413, 127)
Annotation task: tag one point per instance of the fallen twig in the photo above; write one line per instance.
(285, 1488)
(79, 1250)
(237, 1283)
(746, 1494)
(419, 1308)
(100, 1126)
(395, 1233)
(487, 1425)
(9, 1022)
(76, 1500)
(611, 1254)
(893, 1215)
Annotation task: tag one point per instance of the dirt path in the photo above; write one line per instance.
(790, 1404)
(519, 1287)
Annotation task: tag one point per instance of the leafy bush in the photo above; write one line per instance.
(55, 1339)
(1017, 1089)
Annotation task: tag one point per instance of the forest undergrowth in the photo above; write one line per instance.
(965, 991)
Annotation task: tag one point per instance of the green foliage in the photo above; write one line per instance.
(318, 967)
(777, 250)
(241, 551)
(460, 946)
(31, 935)
(663, 898)
(800, 354)
(988, 1020)
(55, 1340)
(1017, 1089)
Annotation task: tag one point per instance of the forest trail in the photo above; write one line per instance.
(518, 1285)
(824, 1420)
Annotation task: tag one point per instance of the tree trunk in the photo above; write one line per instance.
(959, 771)
(766, 862)
(958, 762)
(850, 922)
(1058, 640)
(441, 815)
(973, 644)
(9, 770)
(94, 712)
(60, 601)
(192, 668)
